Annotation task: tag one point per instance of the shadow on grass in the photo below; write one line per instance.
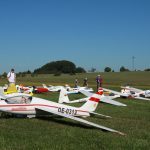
(58, 119)
(52, 118)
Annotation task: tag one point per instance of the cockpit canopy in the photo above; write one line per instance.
(19, 100)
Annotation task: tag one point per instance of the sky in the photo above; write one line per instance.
(90, 33)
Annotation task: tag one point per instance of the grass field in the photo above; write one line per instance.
(64, 134)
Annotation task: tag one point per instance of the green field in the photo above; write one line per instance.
(64, 134)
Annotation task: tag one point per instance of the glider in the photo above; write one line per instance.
(138, 92)
(126, 94)
(33, 106)
(68, 88)
(52, 88)
(63, 98)
(28, 89)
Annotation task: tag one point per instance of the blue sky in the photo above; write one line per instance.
(90, 33)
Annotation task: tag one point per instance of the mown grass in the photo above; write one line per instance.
(61, 134)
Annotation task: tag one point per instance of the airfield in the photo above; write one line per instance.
(64, 134)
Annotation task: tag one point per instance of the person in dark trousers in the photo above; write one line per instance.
(85, 82)
(76, 83)
(99, 81)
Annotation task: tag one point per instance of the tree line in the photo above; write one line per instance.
(122, 69)
(62, 66)
(65, 67)
(54, 67)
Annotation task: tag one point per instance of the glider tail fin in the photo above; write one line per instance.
(93, 101)
(63, 97)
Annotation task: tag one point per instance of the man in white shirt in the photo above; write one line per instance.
(11, 76)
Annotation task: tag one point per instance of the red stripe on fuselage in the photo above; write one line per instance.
(13, 105)
(94, 99)
(23, 105)
(22, 110)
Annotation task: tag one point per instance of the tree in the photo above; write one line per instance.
(122, 69)
(107, 69)
(148, 69)
(62, 66)
(80, 70)
(29, 72)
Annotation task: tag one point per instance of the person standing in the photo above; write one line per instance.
(11, 76)
(99, 81)
(85, 82)
(76, 83)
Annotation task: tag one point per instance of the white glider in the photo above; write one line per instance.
(33, 106)
(68, 88)
(138, 92)
(126, 94)
(52, 88)
(63, 98)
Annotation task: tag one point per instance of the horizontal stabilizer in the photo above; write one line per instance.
(107, 99)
